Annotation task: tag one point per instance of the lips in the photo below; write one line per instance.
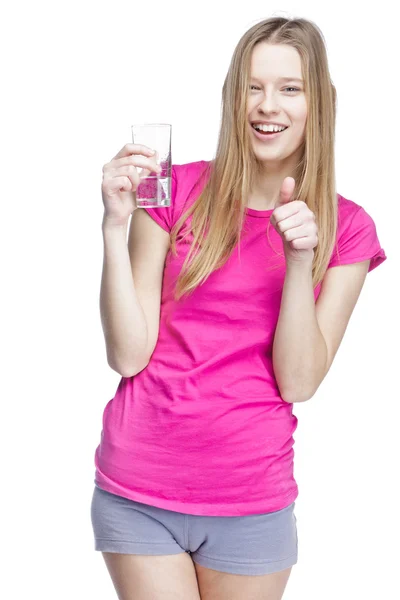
(266, 132)
(267, 123)
(266, 138)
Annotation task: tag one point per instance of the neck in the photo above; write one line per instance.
(266, 190)
(267, 186)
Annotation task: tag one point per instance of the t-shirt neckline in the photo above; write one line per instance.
(252, 212)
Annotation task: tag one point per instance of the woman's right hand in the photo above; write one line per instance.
(121, 180)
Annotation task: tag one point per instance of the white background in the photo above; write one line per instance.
(75, 77)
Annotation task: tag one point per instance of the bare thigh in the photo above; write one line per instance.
(140, 577)
(215, 585)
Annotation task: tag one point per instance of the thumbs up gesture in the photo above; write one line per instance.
(296, 225)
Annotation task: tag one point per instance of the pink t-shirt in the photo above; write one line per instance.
(203, 429)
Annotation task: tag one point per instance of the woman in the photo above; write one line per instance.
(217, 335)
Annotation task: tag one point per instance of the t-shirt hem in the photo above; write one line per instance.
(378, 258)
(153, 214)
(206, 509)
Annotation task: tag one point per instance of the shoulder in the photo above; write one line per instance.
(188, 173)
(346, 209)
(188, 180)
(352, 216)
(356, 237)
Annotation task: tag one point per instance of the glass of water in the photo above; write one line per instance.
(154, 189)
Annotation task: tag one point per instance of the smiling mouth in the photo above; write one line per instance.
(268, 132)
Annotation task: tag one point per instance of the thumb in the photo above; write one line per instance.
(286, 192)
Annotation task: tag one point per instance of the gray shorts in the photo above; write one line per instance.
(248, 545)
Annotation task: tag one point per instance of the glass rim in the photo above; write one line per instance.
(151, 125)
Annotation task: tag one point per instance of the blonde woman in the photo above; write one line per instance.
(219, 313)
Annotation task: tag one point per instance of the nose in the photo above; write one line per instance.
(269, 104)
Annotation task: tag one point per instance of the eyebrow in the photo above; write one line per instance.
(284, 79)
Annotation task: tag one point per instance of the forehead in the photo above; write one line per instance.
(275, 61)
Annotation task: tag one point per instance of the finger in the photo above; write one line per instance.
(129, 149)
(286, 191)
(303, 243)
(128, 171)
(289, 223)
(296, 232)
(118, 183)
(137, 161)
(284, 211)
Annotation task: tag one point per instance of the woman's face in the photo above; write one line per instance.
(276, 100)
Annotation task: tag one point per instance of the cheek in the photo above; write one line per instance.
(301, 120)
(299, 110)
(303, 113)
(250, 106)
(303, 123)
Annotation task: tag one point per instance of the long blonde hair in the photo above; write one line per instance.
(218, 213)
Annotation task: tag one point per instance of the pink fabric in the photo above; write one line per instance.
(203, 429)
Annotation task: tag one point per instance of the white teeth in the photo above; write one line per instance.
(273, 128)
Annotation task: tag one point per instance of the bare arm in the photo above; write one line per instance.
(299, 348)
(309, 333)
(132, 278)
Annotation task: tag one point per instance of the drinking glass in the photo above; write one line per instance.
(154, 189)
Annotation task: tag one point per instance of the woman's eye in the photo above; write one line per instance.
(288, 88)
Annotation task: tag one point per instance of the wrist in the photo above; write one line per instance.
(112, 224)
(304, 265)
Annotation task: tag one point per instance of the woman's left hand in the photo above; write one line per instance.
(296, 225)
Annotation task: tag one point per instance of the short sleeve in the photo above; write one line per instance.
(164, 215)
(358, 242)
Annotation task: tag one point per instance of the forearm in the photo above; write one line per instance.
(122, 318)
(299, 350)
